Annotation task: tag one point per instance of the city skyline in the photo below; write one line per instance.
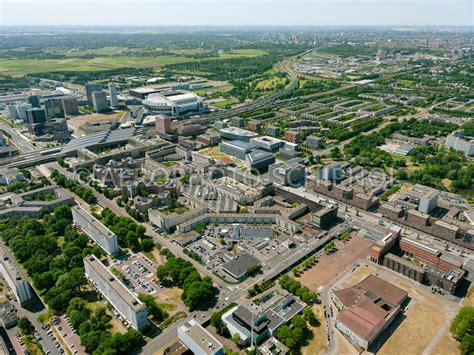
(239, 12)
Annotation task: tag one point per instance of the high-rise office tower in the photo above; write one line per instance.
(113, 94)
(70, 105)
(90, 88)
(163, 124)
(54, 108)
(34, 100)
(99, 101)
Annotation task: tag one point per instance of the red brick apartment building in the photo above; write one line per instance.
(428, 224)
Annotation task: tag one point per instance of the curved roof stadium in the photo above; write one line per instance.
(235, 133)
(174, 103)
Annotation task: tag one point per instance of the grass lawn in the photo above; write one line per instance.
(168, 307)
(32, 345)
(75, 52)
(227, 103)
(270, 83)
(224, 88)
(30, 66)
(174, 318)
(243, 53)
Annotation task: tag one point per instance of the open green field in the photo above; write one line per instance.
(22, 67)
(76, 52)
(243, 53)
(227, 103)
(270, 83)
(224, 88)
(31, 66)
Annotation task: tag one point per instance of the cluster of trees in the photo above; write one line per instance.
(438, 164)
(192, 255)
(153, 309)
(232, 68)
(83, 192)
(57, 269)
(259, 288)
(468, 129)
(25, 325)
(296, 334)
(457, 113)
(24, 186)
(93, 327)
(462, 328)
(329, 246)
(389, 192)
(365, 152)
(197, 291)
(295, 288)
(340, 133)
(135, 214)
(216, 320)
(345, 50)
(40, 196)
(313, 86)
(129, 233)
(306, 263)
(418, 128)
(84, 77)
(253, 270)
(242, 72)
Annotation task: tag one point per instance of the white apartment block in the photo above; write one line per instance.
(15, 279)
(95, 230)
(116, 293)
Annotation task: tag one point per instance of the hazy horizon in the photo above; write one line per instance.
(283, 13)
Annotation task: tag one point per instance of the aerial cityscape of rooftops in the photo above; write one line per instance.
(237, 191)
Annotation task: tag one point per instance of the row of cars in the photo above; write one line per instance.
(52, 336)
(50, 333)
(22, 344)
(138, 280)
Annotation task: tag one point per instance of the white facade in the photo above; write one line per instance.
(18, 111)
(95, 230)
(15, 280)
(174, 103)
(267, 143)
(128, 306)
(199, 340)
(166, 221)
(460, 144)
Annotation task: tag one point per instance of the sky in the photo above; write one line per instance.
(238, 12)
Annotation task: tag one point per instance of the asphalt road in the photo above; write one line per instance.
(17, 139)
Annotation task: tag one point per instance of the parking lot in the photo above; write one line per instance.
(139, 273)
(217, 246)
(69, 335)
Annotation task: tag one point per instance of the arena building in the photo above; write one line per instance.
(175, 104)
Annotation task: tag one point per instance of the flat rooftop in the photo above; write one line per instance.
(93, 221)
(238, 131)
(205, 340)
(125, 294)
(240, 263)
